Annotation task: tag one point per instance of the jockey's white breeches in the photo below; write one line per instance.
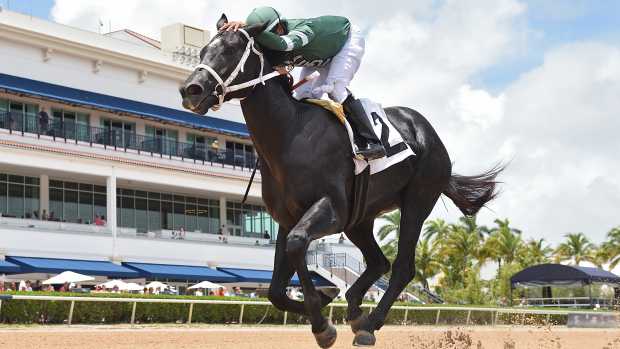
(337, 75)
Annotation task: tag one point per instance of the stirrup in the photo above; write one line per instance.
(371, 152)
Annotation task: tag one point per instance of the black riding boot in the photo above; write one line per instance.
(369, 146)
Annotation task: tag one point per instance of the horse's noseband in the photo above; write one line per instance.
(225, 85)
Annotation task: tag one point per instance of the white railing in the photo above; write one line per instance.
(494, 312)
(55, 226)
(25, 223)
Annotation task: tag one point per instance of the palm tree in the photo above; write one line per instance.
(392, 225)
(426, 263)
(436, 228)
(576, 248)
(458, 250)
(610, 249)
(534, 252)
(504, 243)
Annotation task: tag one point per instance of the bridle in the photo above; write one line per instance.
(225, 84)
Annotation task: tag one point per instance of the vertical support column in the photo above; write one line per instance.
(133, 313)
(94, 120)
(285, 316)
(241, 314)
(437, 318)
(44, 194)
(191, 312)
(140, 127)
(111, 209)
(223, 215)
(70, 320)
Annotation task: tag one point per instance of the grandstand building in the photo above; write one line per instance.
(103, 172)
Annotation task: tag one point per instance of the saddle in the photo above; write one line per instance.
(335, 108)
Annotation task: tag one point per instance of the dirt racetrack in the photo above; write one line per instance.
(414, 337)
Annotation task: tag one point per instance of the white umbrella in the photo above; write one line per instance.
(156, 285)
(120, 284)
(67, 276)
(132, 286)
(206, 284)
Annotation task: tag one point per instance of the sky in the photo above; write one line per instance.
(531, 83)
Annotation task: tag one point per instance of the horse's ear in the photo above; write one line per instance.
(256, 29)
(223, 20)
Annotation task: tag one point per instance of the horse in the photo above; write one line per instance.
(308, 179)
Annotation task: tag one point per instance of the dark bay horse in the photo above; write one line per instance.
(307, 179)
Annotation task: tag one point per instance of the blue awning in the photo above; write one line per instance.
(55, 265)
(119, 105)
(8, 267)
(264, 276)
(180, 272)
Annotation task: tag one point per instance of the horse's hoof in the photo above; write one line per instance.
(327, 337)
(364, 339)
(357, 323)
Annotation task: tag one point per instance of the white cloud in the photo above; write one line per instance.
(478, 107)
(558, 123)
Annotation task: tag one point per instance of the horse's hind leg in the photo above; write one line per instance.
(418, 203)
(320, 220)
(376, 265)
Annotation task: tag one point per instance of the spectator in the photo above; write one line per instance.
(341, 239)
(99, 221)
(220, 292)
(11, 120)
(44, 216)
(182, 233)
(28, 286)
(1, 286)
(103, 219)
(266, 235)
(44, 120)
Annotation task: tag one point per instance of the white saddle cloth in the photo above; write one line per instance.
(396, 148)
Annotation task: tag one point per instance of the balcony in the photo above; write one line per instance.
(162, 234)
(119, 140)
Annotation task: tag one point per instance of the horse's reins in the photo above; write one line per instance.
(225, 85)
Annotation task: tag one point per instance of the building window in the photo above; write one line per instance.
(161, 140)
(156, 211)
(19, 196)
(250, 220)
(201, 148)
(118, 133)
(69, 124)
(240, 154)
(18, 116)
(76, 202)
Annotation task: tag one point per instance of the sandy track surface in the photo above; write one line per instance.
(103, 337)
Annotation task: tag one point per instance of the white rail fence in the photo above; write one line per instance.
(494, 312)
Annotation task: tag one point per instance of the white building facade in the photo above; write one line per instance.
(99, 161)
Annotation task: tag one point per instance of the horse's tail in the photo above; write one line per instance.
(471, 193)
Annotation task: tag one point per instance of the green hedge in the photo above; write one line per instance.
(56, 312)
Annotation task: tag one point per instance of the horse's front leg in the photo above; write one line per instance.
(320, 220)
(283, 270)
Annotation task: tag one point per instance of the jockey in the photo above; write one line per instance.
(327, 44)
